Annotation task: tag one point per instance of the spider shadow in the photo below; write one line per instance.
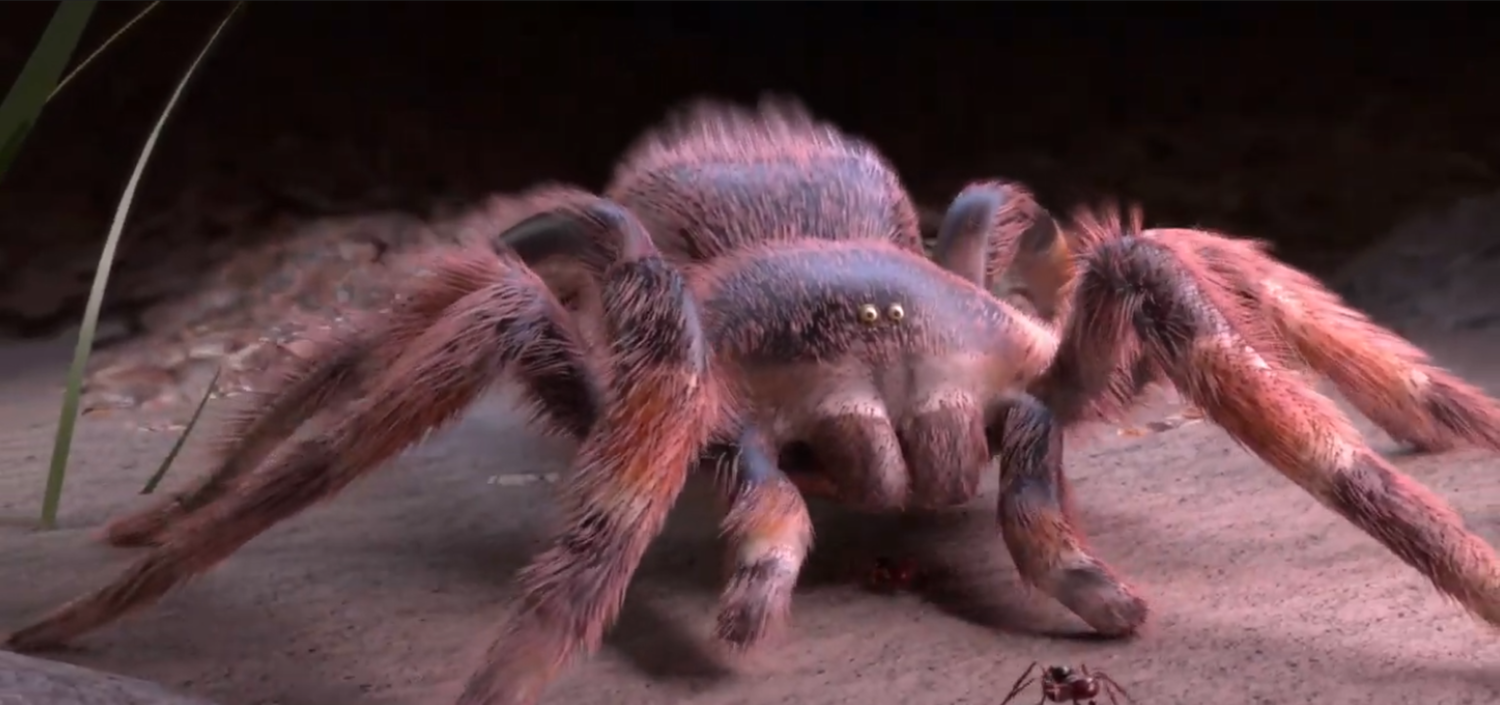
(966, 570)
(649, 640)
(1403, 452)
(663, 631)
(661, 648)
(472, 549)
(967, 573)
(157, 649)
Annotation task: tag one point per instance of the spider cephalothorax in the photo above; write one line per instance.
(752, 281)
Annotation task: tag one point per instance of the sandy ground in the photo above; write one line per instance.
(385, 595)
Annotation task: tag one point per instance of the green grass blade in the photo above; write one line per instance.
(95, 54)
(39, 76)
(69, 414)
(12, 145)
(166, 463)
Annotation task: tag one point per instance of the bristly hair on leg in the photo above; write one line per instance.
(1390, 380)
(1093, 376)
(662, 405)
(334, 369)
(427, 382)
(769, 532)
(1280, 418)
(1244, 315)
(1292, 321)
(995, 234)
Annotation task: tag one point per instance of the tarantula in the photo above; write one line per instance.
(753, 279)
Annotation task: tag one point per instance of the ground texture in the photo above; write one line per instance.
(384, 596)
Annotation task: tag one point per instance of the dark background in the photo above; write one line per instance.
(1316, 125)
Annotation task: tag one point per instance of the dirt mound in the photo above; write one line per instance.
(252, 303)
(1439, 271)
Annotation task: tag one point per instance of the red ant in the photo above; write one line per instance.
(1061, 684)
(894, 575)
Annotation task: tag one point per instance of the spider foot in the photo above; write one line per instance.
(772, 533)
(144, 528)
(1048, 547)
(1101, 600)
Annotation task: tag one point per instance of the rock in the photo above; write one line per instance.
(32, 681)
(1439, 271)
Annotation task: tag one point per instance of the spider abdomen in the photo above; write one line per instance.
(717, 180)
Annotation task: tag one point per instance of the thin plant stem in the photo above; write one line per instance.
(68, 417)
(166, 463)
(93, 55)
(24, 101)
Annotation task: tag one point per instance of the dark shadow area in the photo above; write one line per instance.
(1315, 127)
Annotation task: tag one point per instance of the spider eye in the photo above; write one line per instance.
(868, 313)
(895, 312)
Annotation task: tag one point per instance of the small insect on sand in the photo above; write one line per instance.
(1062, 684)
(891, 575)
